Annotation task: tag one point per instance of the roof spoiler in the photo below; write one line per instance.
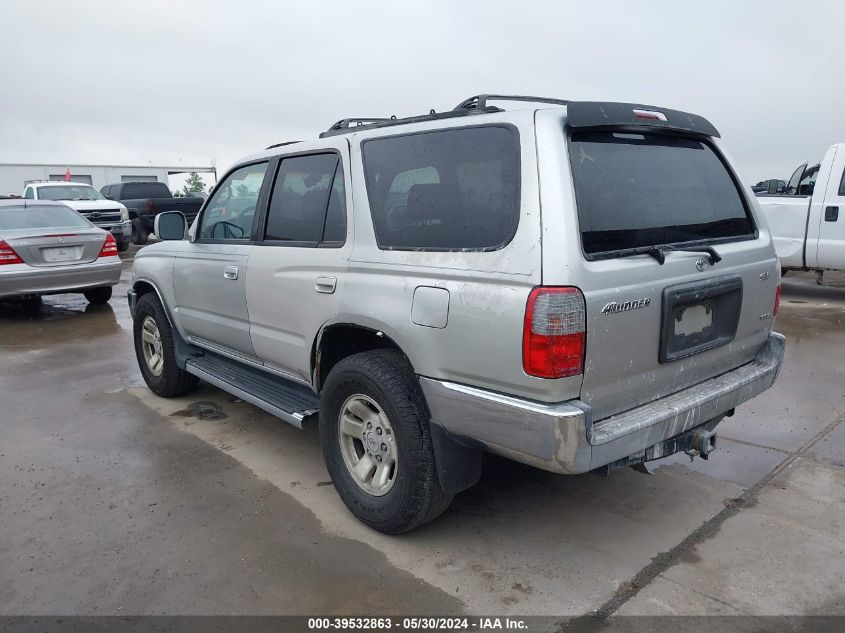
(603, 115)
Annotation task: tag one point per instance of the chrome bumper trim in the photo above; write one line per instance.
(562, 438)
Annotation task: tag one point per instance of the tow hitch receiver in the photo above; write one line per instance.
(703, 443)
(697, 442)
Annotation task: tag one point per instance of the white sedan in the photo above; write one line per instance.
(48, 248)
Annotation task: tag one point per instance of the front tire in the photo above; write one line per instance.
(139, 233)
(98, 295)
(376, 441)
(155, 350)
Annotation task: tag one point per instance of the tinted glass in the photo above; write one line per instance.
(335, 229)
(29, 194)
(58, 217)
(445, 190)
(636, 190)
(137, 190)
(808, 182)
(300, 198)
(842, 185)
(230, 211)
(69, 192)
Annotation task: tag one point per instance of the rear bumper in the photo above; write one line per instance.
(563, 438)
(29, 280)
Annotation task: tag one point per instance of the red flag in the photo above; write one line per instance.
(67, 175)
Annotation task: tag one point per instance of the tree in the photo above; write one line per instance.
(194, 184)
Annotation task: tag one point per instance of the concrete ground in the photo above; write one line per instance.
(114, 501)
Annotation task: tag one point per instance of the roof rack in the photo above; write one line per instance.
(345, 126)
(480, 101)
(281, 144)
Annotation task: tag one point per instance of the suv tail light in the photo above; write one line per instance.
(109, 247)
(776, 309)
(8, 255)
(555, 332)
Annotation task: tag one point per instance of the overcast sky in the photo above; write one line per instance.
(163, 82)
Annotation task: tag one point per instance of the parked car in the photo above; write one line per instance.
(48, 248)
(108, 215)
(764, 186)
(580, 286)
(145, 200)
(805, 222)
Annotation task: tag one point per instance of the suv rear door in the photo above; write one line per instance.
(298, 266)
(655, 328)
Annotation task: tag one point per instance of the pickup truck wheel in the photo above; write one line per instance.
(98, 295)
(155, 351)
(139, 234)
(374, 432)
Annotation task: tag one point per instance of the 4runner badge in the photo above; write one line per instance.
(613, 307)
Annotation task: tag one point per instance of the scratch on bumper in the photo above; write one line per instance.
(562, 437)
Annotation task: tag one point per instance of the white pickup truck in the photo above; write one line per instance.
(807, 219)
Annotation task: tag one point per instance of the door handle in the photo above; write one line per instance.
(325, 284)
(831, 214)
(230, 272)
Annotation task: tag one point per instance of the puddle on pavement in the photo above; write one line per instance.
(204, 410)
(57, 319)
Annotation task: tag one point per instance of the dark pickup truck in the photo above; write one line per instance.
(145, 200)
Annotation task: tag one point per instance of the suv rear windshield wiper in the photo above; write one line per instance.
(659, 252)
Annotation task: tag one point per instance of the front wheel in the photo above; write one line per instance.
(374, 432)
(98, 295)
(155, 350)
(139, 233)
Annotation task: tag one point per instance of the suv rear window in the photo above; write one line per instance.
(638, 190)
(451, 189)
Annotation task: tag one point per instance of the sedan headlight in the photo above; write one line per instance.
(124, 214)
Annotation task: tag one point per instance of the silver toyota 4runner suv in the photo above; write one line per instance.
(577, 286)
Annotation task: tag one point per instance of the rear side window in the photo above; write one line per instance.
(308, 203)
(842, 185)
(446, 190)
(637, 190)
(136, 190)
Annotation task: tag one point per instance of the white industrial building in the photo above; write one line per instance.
(14, 177)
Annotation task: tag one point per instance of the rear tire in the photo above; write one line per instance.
(381, 385)
(32, 305)
(98, 295)
(154, 337)
(122, 247)
(139, 233)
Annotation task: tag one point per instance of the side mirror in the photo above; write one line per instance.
(170, 225)
(772, 186)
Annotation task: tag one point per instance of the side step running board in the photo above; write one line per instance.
(284, 399)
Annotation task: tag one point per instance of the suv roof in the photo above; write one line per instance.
(592, 114)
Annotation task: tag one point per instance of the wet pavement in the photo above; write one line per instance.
(114, 501)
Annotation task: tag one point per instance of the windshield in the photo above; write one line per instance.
(33, 217)
(639, 190)
(69, 192)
